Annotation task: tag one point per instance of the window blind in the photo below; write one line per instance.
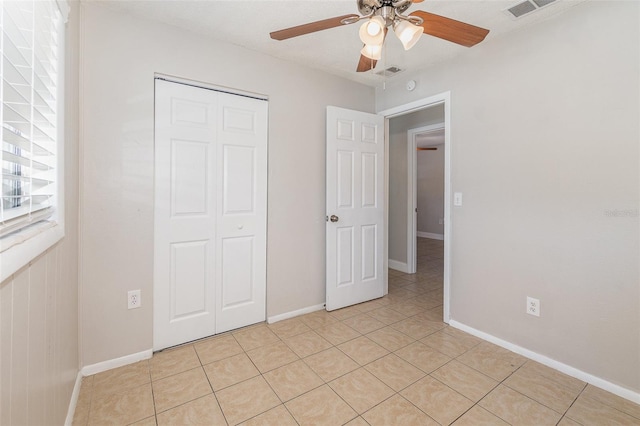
(29, 69)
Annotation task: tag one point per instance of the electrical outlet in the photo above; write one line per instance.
(134, 300)
(533, 306)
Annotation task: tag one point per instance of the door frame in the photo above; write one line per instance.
(438, 99)
(412, 191)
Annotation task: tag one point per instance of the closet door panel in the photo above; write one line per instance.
(242, 212)
(185, 214)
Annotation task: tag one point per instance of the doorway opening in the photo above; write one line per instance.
(423, 116)
(425, 186)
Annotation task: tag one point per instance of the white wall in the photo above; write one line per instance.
(39, 303)
(430, 190)
(398, 177)
(119, 58)
(545, 142)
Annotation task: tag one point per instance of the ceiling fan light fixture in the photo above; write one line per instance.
(381, 15)
(372, 31)
(408, 33)
(372, 51)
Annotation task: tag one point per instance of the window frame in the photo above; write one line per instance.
(20, 248)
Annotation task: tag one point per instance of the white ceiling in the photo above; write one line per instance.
(248, 23)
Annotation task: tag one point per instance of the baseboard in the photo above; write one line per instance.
(287, 315)
(74, 400)
(399, 266)
(115, 363)
(430, 235)
(552, 363)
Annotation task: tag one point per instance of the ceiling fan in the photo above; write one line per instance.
(380, 15)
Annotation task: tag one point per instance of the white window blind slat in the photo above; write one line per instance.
(29, 52)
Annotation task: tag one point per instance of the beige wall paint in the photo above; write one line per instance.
(430, 190)
(120, 57)
(398, 177)
(545, 142)
(39, 304)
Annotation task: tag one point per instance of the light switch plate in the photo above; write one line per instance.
(457, 198)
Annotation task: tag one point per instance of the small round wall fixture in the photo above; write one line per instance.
(411, 84)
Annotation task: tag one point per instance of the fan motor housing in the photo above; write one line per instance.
(366, 7)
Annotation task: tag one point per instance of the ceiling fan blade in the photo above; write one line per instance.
(311, 27)
(366, 64)
(449, 29)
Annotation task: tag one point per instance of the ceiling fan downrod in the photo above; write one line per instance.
(389, 10)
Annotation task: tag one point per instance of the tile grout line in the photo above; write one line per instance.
(602, 403)
(563, 414)
(211, 386)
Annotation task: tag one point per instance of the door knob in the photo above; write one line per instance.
(334, 218)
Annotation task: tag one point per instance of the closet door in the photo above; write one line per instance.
(185, 214)
(210, 213)
(242, 212)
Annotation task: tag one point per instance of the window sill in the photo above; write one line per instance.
(19, 249)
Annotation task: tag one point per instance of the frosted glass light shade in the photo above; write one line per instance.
(408, 33)
(372, 31)
(372, 51)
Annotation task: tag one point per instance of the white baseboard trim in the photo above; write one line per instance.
(430, 235)
(89, 370)
(287, 315)
(399, 266)
(552, 363)
(74, 400)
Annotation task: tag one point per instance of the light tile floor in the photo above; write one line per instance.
(390, 361)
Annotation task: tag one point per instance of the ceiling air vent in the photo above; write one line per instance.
(526, 7)
(389, 71)
(542, 3)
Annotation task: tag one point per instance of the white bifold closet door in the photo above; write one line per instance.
(210, 212)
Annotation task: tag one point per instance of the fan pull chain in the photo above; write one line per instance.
(384, 67)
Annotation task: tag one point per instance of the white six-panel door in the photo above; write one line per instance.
(355, 210)
(242, 212)
(210, 212)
